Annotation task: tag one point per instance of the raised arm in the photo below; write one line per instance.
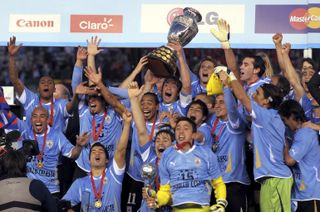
(80, 142)
(96, 78)
(291, 73)
(78, 68)
(93, 50)
(142, 62)
(138, 117)
(13, 72)
(184, 68)
(223, 36)
(119, 155)
(277, 40)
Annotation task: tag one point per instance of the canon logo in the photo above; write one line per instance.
(34, 23)
(96, 23)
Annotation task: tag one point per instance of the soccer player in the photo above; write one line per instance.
(268, 137)
(51, 143)
(187, 172)
(101, 189)
(303, 156)
(59, 109)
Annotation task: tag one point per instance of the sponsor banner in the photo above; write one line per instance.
(160, 23)
(96, 23)
(287, 18)
(34, 23)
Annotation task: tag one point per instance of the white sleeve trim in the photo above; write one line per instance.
(185, 100)
(117, 170)
(23, 98)
(253, 114)
(145, 154)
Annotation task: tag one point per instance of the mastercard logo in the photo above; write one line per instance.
(301, 18)
(174, 13)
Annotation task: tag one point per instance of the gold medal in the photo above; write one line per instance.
(98, 204)
(40, 164)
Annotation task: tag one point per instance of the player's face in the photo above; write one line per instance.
(60, 92)
(247, 69)
(169, 92)
(98, 157)
(291, 123)
(195, 113)
(307, 71)
(39, 120)
(95, 104)
(205, 71)
(46, 87)
(149, 107)
(184, 132)
(259, 98)
(220, 107)
(163, 141)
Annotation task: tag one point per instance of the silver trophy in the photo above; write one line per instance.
(148, 174)
(162, 61)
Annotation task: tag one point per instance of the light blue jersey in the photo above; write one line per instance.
(189, 174)
(229, 137)
(56, 143)
(30, 101)
(268, 137)
(109, 136)
(305, 150)
(136, 161)
(207, 137)
(81, 191)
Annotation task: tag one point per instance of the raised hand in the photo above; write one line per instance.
(277, 38)
(93, 46)
(142, 62)
(286, 48)
(126, 116)
(177, 47)
(133, 90)
(83, 89)
(82, 139)
(94, 77)
(222, 34)
(81, 53)
(150, 78)
(12, 47)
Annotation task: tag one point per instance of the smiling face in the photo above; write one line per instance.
(95, 105)
(169, 92)
(46, 87)
(149, 107)
(307, 71)
(195, 113)
(220, 108)
(205, 71)
(98, 158)
(39, 120)
(163, 141)
(184, 132)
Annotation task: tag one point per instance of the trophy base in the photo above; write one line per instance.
(162, 62)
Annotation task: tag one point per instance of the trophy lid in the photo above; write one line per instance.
(193, 13)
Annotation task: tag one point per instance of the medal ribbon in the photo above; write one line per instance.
(43, 144)
(152, 129)
(216, 137)
(51, 111)
(96, 135)
(97, 195)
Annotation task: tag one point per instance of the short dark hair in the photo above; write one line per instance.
(258, 62)
(183, 118)
(14, 164)
(203, 106)
(153, 95)
(272, 93)
(283, 84)
(175, 80)
(309, 60)
(292, 108)
(167, 129)
(206, 58)
(100, 145)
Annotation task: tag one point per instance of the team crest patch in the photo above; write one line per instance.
(50, 144)
(197, 161)
(105, 181)
(108, 119)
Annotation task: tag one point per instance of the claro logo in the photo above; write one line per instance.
(96, 23)
(301, 18)
(34, 23)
